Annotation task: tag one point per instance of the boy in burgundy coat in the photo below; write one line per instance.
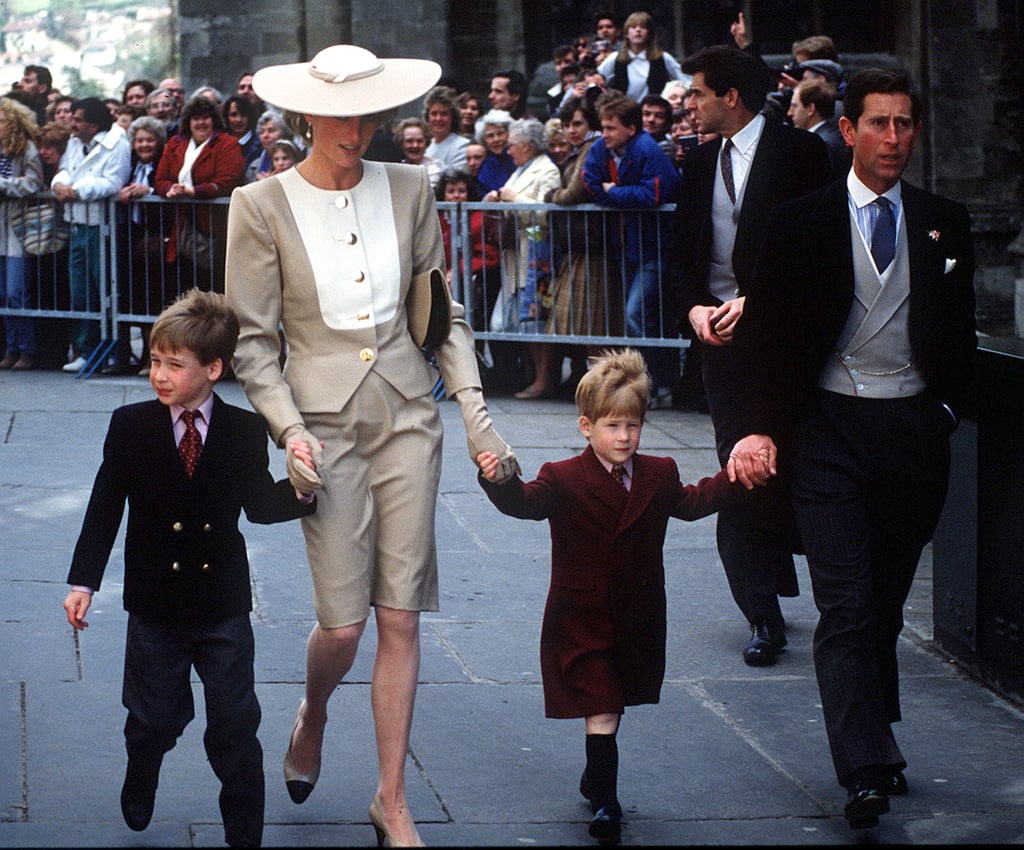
(603, 636)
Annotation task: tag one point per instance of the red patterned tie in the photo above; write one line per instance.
(617, 473)
(191, 445)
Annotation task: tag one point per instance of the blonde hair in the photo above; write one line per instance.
(616, 383)
(640, 19)
(21, 126)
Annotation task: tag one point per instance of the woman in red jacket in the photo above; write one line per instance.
(202, 162)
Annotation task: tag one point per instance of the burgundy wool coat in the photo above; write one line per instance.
(602, 643)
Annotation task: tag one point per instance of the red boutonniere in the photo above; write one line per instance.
(934, 235)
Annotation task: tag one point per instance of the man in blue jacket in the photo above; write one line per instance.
(627, 169)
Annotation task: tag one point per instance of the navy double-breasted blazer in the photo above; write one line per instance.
(184, 557)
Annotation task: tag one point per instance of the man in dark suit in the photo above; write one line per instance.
(187, 464)
(812, 108)
(728, 186)
(857, 368)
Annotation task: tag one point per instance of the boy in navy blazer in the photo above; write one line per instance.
(187, 464)
(603, 636)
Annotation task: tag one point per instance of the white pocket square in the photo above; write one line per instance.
(950, 265)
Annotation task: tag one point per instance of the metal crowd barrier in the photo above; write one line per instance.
(525, 272)
(568, 263)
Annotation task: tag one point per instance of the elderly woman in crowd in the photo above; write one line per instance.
(498, 166)
(269, 128)
(21, 174)
(526, 262)
(442, 116)
(353, 405)
(200, 163)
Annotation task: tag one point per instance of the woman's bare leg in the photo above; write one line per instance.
(393, 694)
(329, 656)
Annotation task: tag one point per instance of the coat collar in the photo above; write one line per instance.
(630, 506)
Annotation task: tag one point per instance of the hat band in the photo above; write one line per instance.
(331, 77)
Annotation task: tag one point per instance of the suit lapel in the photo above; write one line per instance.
(926, 263)
(756, 188)
(601, 485)
(837, 231)
(217, 432)
(641, 491)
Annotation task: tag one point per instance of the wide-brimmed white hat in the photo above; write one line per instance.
(345, 80)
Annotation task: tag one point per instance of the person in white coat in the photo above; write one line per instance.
(94, 167)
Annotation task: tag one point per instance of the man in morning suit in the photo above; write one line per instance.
(857, 368)
(728, 186)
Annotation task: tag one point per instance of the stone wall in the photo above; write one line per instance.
(963, 54)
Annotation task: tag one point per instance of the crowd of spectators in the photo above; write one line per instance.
(153, 140)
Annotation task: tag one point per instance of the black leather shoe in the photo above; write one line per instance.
(761, 651)
(138, 793)
(866, 799)
(606, 825)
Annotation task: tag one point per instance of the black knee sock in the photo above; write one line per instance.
(603, 769)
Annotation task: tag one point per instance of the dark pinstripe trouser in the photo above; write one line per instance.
(869, 480)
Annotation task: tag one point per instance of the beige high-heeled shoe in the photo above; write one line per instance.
(384, 838)
(299, 785)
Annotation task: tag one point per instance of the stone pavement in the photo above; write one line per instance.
(732, 755)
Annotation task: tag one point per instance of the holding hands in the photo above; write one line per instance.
(304, 454)
(488, 463)
(752, 461)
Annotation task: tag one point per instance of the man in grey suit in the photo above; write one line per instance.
(857, 368)
(718, 226)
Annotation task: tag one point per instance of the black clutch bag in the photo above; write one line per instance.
(429, 307)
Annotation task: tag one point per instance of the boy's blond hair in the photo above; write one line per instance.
(616, 383)
(200, 322)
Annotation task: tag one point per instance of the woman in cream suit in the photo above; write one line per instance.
(328, 251)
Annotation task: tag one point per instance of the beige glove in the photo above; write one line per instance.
(302, 478)
(481, 436)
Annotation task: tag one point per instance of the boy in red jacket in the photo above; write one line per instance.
(603, 635)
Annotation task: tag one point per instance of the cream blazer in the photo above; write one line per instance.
(270, 284)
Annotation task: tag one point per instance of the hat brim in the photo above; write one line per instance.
(292, 87)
